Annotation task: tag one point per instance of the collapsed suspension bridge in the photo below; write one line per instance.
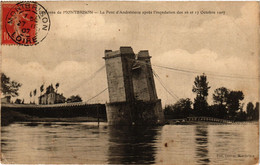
(68, 109)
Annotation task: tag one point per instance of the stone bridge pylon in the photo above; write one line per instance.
(132, 95)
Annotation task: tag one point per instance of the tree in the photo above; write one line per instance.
(34, 93)
(30, 96)
(201, 88)
(18, 101)
(219, 109)
(184, 106)
(250, 110)
(42, 88)
(181, 109)
(233, 102)
(241, 116)
(256, 112)
(73, 98)
(220, 95)
(8, 87)
(57, 86)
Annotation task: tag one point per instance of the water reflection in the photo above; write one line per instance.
(201, 140)
(132, 145)
(54, 143)
(81, 143)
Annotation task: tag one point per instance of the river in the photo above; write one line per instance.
(86, 142)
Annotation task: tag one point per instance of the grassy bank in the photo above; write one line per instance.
(8, 117)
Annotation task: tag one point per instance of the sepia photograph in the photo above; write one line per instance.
(130, 82)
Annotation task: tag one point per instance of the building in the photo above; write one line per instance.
(51, 97)
(132, 94)
(6, 100)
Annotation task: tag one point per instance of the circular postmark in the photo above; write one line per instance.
(27, 23)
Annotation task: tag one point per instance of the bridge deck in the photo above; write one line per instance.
(45, 106)
(202, 118)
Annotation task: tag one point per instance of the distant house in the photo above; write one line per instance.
(6, 99)
(51, 97)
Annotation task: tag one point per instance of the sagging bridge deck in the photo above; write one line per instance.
(59, 110)
(203, 118)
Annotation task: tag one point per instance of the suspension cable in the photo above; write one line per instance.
(208, 73)
(193, 71)
(164, 86)
(97, 94)
(93, 75)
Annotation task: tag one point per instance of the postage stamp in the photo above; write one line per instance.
(24, 23)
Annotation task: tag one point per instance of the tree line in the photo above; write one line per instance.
(227, 104)
(10, 88)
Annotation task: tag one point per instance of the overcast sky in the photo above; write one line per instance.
(74, 47)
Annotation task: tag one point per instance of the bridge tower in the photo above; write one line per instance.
(132, 94)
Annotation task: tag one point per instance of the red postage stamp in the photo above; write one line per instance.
(24, 23)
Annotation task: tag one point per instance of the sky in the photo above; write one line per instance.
(214, 44)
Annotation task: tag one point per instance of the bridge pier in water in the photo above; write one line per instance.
(132, 94)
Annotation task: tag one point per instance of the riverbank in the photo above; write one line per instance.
(12, 116)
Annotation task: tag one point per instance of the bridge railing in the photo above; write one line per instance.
(202, 118)
(45, 106)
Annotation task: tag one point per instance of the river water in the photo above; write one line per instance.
(64, 142)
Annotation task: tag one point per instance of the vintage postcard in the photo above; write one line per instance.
(137, 82)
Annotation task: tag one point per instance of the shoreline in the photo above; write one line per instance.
(9, 117)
